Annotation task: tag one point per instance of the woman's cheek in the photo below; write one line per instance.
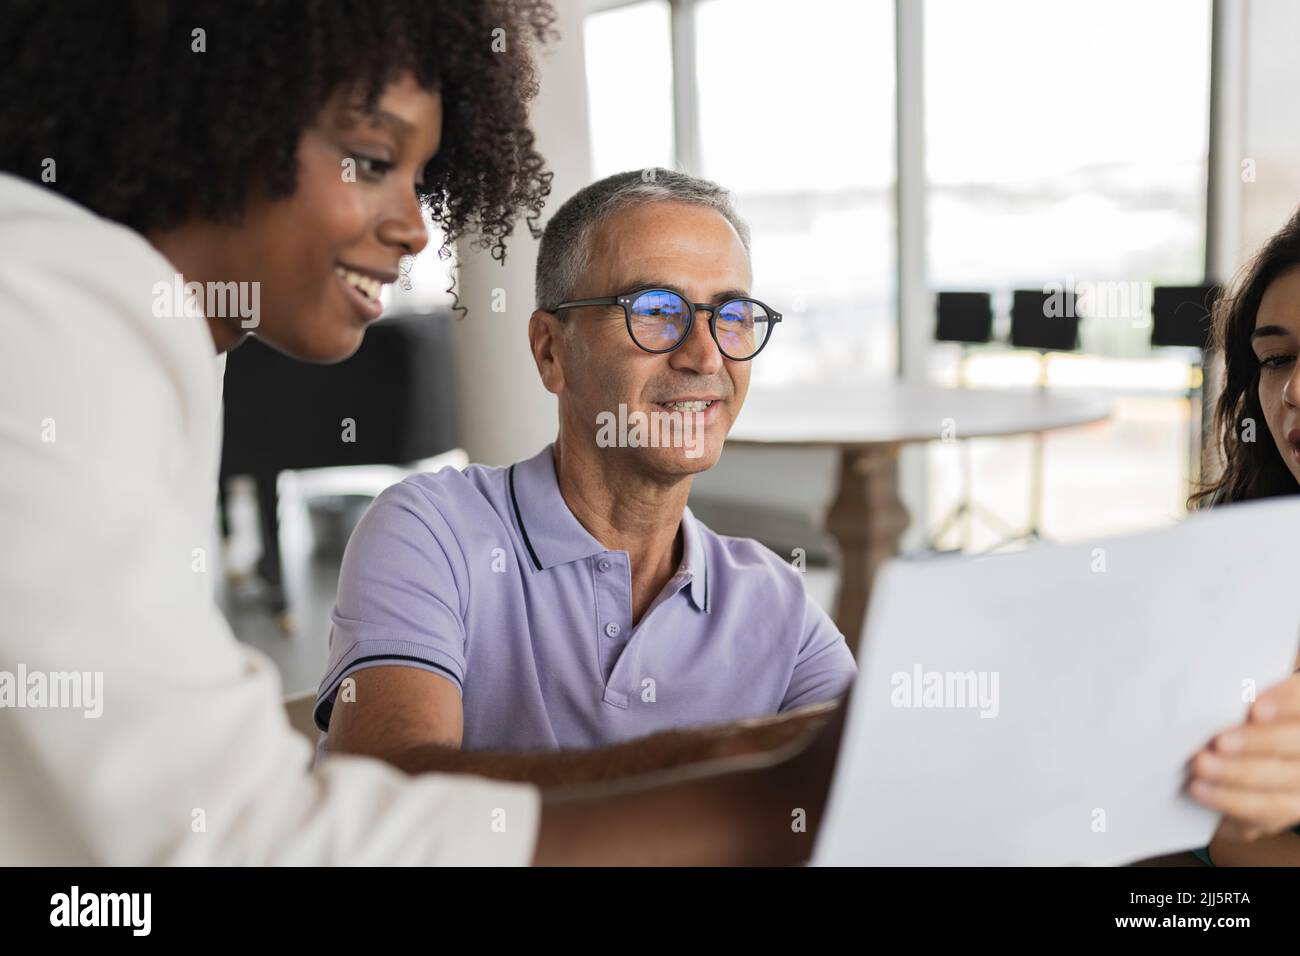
(1271, 405)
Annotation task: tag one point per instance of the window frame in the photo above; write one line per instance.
(913, 310)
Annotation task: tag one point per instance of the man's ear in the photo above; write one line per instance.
(546, 341)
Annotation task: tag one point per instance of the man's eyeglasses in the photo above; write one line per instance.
(659, 320)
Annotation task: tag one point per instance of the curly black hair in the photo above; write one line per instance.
(148, 132)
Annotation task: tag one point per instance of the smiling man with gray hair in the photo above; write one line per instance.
(572, 602)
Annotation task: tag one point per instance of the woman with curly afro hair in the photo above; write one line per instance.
(281, 143)
(271, 159)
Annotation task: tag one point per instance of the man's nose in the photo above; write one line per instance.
(699, 353)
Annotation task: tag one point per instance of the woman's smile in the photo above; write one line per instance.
(363, 289)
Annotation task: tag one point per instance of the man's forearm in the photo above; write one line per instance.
(662, 751)
(703, 815)
(730, 819)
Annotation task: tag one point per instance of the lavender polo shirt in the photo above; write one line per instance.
(486, 578)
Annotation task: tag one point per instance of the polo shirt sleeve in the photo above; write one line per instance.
(824, 667)
(398, 595)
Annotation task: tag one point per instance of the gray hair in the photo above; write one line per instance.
(565, 251)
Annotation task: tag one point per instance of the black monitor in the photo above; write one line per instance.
(1047, 321)
(963, 317)
(1180, 315)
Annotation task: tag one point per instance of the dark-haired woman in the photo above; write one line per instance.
(1252, 772)
(273, 159)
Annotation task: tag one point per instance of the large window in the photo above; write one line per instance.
(1064, 142)
(630, 87)
(1068, 143)
(796, 118)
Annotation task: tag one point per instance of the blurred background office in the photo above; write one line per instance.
(886, 153)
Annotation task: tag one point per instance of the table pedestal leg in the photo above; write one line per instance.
(867, 519)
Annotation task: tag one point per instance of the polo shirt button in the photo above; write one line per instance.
(612, 629)
(604, 565)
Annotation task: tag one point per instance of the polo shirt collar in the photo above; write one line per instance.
(553, 536)
(693, 563)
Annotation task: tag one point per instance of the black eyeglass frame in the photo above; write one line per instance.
(628, 298)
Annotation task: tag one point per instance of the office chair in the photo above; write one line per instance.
(1180, 318)
(398, 390)
(1046, 322)
(965, 318)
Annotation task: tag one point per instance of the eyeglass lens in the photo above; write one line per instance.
(660, 319)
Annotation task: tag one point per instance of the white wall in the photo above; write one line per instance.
(505, 414)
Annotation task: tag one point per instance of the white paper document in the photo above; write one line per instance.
(1041, 707)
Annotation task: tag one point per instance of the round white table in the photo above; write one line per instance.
(868, 426)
